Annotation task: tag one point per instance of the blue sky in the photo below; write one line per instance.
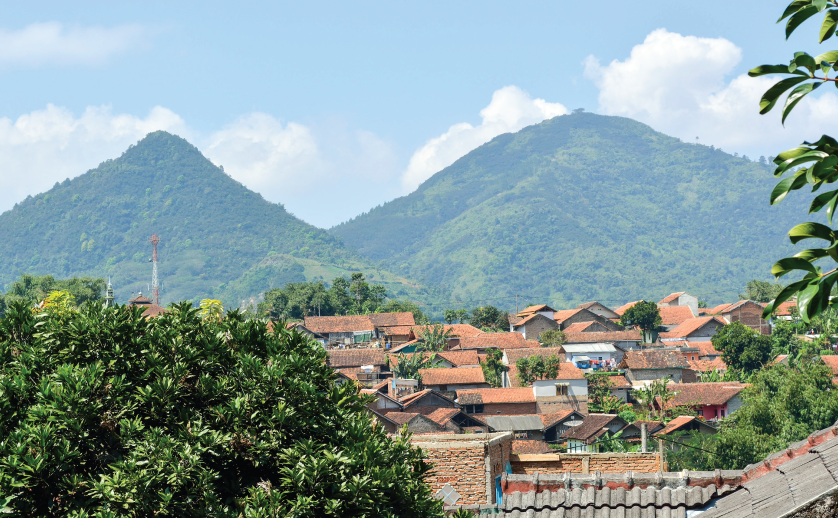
(313, 103)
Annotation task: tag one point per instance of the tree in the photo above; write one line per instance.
(644, 316)
(407, 367)
(107, 413)
(493, 368)
(812, 163)
(656, 391)
(600, 399)
(761, 291)
(490, 318)
(434, 338)
(404, 306)
(552, 338)
(211, 309)
(742, 348)
(32, 289)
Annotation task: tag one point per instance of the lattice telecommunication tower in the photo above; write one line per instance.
(155, 284)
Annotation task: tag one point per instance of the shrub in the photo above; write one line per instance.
(105, 413)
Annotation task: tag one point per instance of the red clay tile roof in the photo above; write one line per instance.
(674, 315)
(534, 309)
(530, 447)
(707, 365)
(632, 335)
(342, 324)
(784, 309)
(457, 330)
(397, 330)
(622, 309)
(677, 423)
(567, 371)
(591, 428)
(455, 376)
(671, 297)
(551, 419)
(717, 310)
(439, 415)
(381, 385)
(586, 327)
(400, 418)
(653, 360)
(339, 358)
(513, 355)
(461, 358)
(831, 361)
(527, 319)
(496, 395)
(619, 382)
(494, 340)
(704, 393)
(705, 348)
(561, 316)
(690, 326)
(405, 345)
(404, 318)
(410, 398)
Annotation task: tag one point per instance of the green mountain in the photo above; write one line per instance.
(584, 207)
(218, 239)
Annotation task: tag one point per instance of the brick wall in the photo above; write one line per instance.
(633, 375)
(533, 329)
(509, 409)
(554, 404)
(750, 314)
(559, 463)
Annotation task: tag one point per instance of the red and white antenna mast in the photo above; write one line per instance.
(155, 284)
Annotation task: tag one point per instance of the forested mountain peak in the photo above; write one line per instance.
(583, 207)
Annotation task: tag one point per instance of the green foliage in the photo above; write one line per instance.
(524, 213)
(813, 163)
(407, 367)
(455, 316)
(644, 316)
(628, 416)
(615, 443)
(782, 405)
(32, 289)
(743, 349)
(211, 309)
(489, 318)
(761, 291)
(493, 368)
(404, 306)
(434, 338)
(537, 367)
(106, 413)
(600, 399)
(552, 338)
(657, 390)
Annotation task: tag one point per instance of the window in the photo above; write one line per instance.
(474, 409)
(562, 389)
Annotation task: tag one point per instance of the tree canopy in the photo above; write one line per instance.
(106, 413)
(761, 291)
(743, 349)
(32, 289)
(645, 316)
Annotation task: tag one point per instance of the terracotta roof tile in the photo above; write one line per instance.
(586, 327)
(457, 330)
(455, 376)
(530, 447)
(705, 348)
(404, 318)
(493, 340)
(622, 309)
(675, 315)
(707, 365)
(653, 360)
(397, 330)
(676, 423)
(831, 361)
(619, 382)
(690, 326)
(400, 418)
(632, 335)
(717, 310)
(551, 419)
(704, 393)
(339, 324)
(439, 415)
(513, 355)
(496, 395)
(591, 428)
(339, 358)
(784, 309)
(534, 309)
(672, 296)
(561, 316)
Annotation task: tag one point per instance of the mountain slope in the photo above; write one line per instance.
(213, 230)
(584, 207)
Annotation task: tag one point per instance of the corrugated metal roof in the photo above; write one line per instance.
(589, 348)
(514, 423)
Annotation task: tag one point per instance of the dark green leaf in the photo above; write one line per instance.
(809, 156)
(805, 298)
(799, 17)
(830, 210)
(812, 254)
(769, 98)
(802, 59)
(828, 25)
(792, 183)
(822, 200)
(790, 264)
(825, 168)
(773, 69)
(793, 7)
(795, 96)
(788, 292)
(811, 230)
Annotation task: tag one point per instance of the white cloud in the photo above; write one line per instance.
(678, 85)
(49, 145)
(52, 42)
(323, 175)
(510, 110)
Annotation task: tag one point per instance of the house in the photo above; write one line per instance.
(458, 378)
(437, 420)
(712, 400)
(701, 367)
(568, 317)
(455, 332)
(416, 423)
(390, 426)
(700, 329)
(535, 426)
(368, 366)
(357, 329)
(568, 381)
(447, 359)
(426, 398)
(503, 401)
(623, 340)
(622, 309)
(748, 313)
(150, 309)
(583, 438)
(600, 309)
(643, 367)
(586, 327)
(785, 310)
(687, 424)
(541, 309)
(620, 388)
(494, 341)
(633, 432)
(511, 356)
(557, 423)
(301, 328)
(533, 325)
(594, 356)
(680, 298)
(383, 403)
(673, 316)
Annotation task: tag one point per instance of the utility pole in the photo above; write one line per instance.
(643, 436)
(155, 284)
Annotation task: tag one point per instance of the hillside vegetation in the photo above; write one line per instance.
(583, 207)
(218, 239)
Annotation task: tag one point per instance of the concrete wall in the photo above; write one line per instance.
(548, 387)
(552, 405)
(585, 463)
(638, 375)
(508, 409)
(533, 329)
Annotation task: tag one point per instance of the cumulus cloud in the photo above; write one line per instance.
(679, 85)
(323, 175)
(510, 110)
(46, 146)
(52, 42)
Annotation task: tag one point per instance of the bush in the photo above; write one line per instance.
(628, 416)
(105, 413)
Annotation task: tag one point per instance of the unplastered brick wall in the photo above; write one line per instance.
(509, 408)
(469, 462)
(559, 463)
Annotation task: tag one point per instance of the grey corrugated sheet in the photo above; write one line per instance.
(514, 423)
(589, 348)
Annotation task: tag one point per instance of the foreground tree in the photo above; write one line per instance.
(743, 349)
(645, 316)
(32, 289)
(106, 413)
